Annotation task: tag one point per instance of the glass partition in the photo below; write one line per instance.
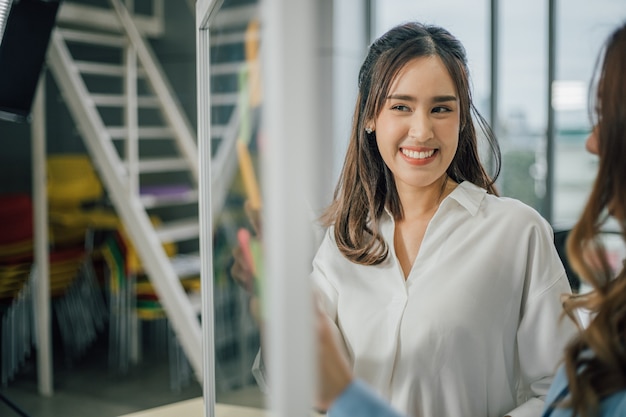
(229, 108)
(257, 170)
(523, 78)
(582, 28)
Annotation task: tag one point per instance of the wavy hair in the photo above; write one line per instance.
(596, 376)
(366, 185)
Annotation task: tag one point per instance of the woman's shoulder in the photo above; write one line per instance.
(614, 405)
(516, 207)
(328, 249)
(504, 206)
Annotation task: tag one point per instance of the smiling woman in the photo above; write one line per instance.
(445, 296)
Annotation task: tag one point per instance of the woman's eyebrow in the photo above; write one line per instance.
(436, 99)
(442, 99)
(403, 97)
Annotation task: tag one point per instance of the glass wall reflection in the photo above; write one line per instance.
(235, 108)
(582, 27)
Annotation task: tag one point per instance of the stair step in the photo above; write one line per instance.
(179, 230)
(153, 132)
(103, 39)
(219, 39)
(168, 195)
(117, 100)
(217, 131)
(154, 165)
(226, 68)
(224, 99)
(235, 16)
(186, 265)
(86, 67)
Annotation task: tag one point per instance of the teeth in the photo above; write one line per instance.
(418, 155)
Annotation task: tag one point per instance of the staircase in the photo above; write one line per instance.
(142, 144)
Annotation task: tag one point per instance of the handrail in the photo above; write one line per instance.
(185, 137)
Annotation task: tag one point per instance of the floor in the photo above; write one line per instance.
(88, 387)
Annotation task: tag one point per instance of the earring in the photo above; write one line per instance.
(368, 130)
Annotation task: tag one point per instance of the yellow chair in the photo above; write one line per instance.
(72, 181)
(75, 199)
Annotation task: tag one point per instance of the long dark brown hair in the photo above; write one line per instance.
(366, 185)
(595, 360)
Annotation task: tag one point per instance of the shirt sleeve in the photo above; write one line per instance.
(359, 400)
(325, 292)
(259, 373)
(542, 333)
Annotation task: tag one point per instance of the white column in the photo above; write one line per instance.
(40, 222)
(290, 163)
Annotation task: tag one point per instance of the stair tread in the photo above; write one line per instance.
(145, 132)
(85, 36)
(222, 68)
(224, 99)
(160, 195)
(119, 100)
(186, 265)
(100, 68)
(179, 230)
(155, 165)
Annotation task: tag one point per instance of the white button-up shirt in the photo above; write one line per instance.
(474, 329)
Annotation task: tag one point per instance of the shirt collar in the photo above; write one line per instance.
(468, 195)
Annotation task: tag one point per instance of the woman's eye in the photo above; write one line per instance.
(400, 107)
(441, 110)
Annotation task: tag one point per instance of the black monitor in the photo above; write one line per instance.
(23, 47)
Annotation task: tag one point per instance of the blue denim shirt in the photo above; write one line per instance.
(611, 406)
(359, 400)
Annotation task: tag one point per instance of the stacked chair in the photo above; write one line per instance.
(16, 258)
(137, 314)
(96, 277)
(78, 215)
(76, 298)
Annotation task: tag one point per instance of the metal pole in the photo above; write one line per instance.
(550, 129)
(493, 62)
(205, 9)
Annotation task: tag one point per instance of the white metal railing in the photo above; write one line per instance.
(121, 179)
(128, 207)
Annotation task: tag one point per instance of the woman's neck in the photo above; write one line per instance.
(424, 201)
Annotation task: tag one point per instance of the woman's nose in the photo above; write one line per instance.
(421, 127)
(592, 142)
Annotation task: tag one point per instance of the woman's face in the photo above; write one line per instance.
(417, 130)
